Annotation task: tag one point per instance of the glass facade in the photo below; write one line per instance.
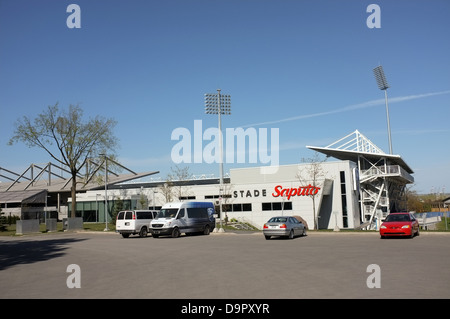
(94, 211)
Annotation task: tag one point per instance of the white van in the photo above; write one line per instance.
(134, 222)
(184, 217)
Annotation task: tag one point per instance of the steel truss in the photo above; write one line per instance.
(382, 177)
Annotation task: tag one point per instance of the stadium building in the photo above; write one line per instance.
(356, 189)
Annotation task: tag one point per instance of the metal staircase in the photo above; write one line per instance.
(381, 177)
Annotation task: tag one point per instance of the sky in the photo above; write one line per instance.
(302, 68)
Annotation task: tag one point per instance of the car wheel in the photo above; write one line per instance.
(304, 232)
(143, 232)
(175, 232)
(417, 232)
(267, 237)
(291, 234)
(125, 235)
(206, 231)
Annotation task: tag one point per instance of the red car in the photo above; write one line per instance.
(400, 224)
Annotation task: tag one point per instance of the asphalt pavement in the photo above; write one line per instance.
(224, 266)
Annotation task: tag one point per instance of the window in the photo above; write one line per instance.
(277, 206)
(167, 213)
(247, 207)
(128, 215)
(144, 215)
(343, 200)
(186, 197)
(237, 207)
(197, 212)
(278, 220)
(217, 196)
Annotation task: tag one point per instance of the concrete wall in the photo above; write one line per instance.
(27, 226)
(73, 223)
(50, 224)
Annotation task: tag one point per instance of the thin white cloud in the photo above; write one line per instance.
(144, 162)
(352, 108)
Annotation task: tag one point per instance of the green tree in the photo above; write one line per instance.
(118, 206)
(67, 138)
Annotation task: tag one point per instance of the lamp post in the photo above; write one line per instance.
(153, 199)
(106, 191)
(383, 85)
(96, 208)
(219, 104)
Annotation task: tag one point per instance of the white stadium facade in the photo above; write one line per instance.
(357, 187)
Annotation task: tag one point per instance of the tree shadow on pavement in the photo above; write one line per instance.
(30, 251)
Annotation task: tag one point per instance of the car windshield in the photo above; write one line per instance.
(167, 213)
(278, 220)
(398, 218)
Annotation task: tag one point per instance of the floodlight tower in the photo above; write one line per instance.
(383, 85)
(219, 104)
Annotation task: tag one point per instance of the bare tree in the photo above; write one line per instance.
(310, 176)
(179, 175)
(227, 198)
(166, 191)
(66, 138)
(175, 180)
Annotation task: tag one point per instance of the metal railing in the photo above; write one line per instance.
(428, 220)
(388, 170)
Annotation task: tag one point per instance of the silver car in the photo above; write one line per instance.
(284, 226)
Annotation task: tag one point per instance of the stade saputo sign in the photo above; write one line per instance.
(288, 192)
(300, 191)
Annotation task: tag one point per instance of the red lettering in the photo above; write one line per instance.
(316, 190)
(293, 192)
(277, 190)
(303, 191)
(300, 191)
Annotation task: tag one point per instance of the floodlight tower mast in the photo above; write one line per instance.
(383, 85)
(219, 104)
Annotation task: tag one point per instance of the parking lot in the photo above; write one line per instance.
(224, 266)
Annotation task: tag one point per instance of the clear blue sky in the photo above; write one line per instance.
(148, 64)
